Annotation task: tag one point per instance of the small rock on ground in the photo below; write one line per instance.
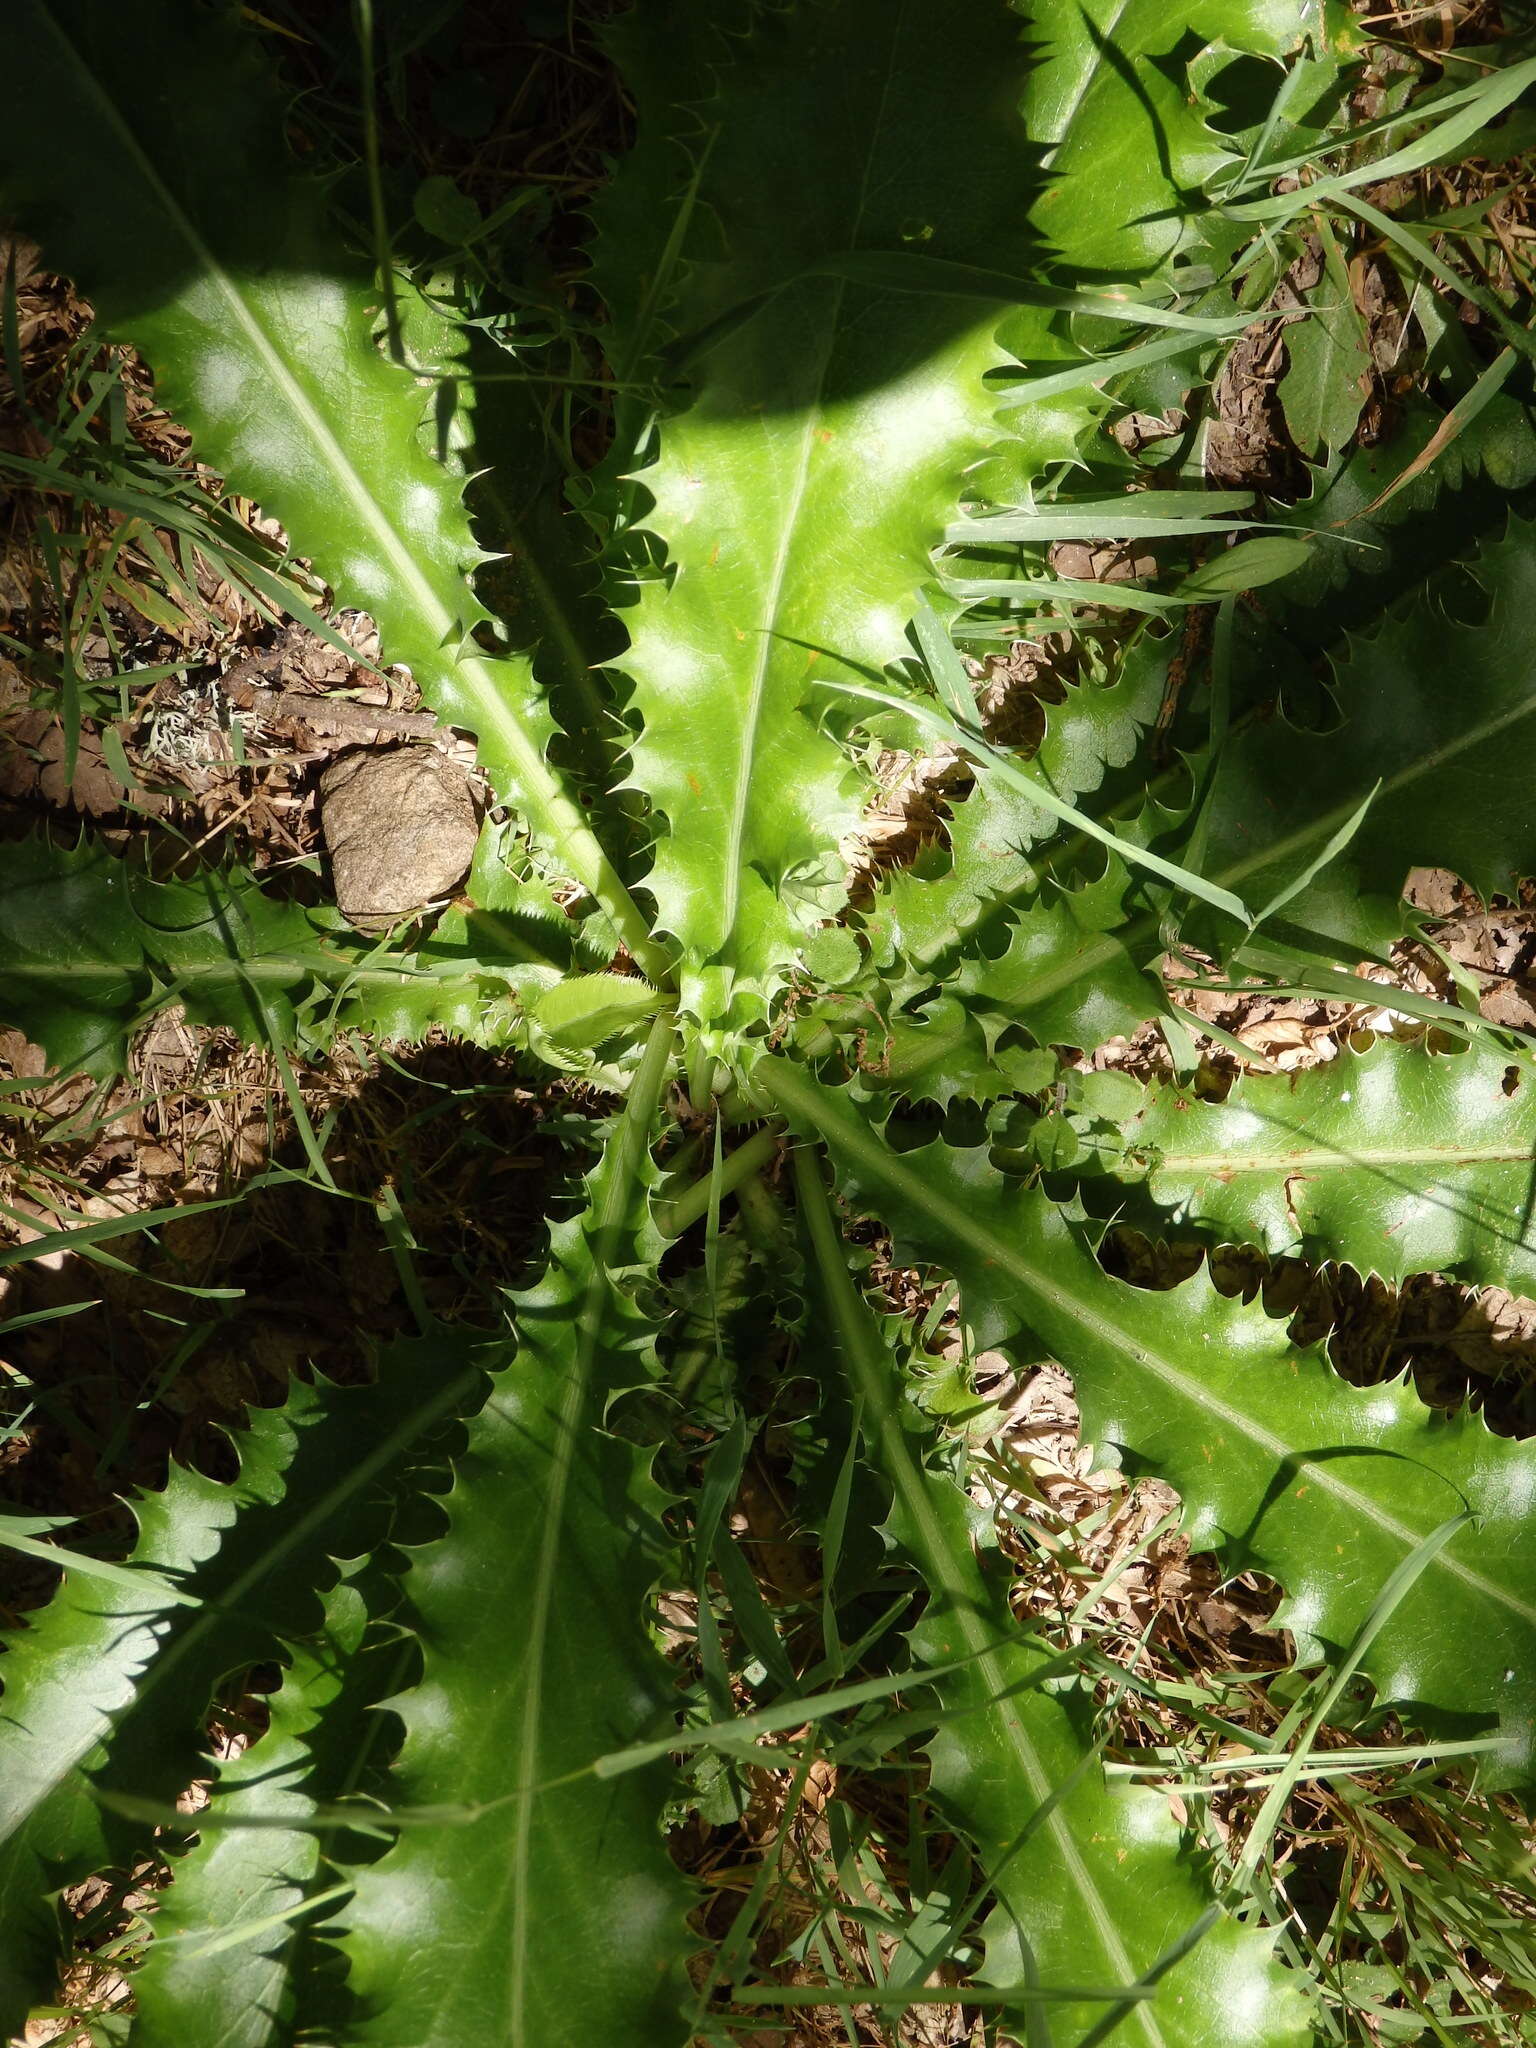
(400, 827)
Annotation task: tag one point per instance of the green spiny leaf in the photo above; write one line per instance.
(1070, 972)
(1444, 757)
(107, 1690)
(927, 914)
(1126, 146)
(835, 129)
(91, 945)
(1127, 138)
(234, 1947)
(1123, 119)
(1093, 1889)
(567, 1918)
(1282, 793)
(1326, 1486)
(1394, 1161)
(260, 334)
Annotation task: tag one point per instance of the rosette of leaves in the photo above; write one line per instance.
(842, 221)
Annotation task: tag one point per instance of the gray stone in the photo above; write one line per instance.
(400, 827)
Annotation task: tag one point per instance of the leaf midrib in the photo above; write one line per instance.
(623, 1161)
(1336, 1159)
(961, 1590)
(767, 643)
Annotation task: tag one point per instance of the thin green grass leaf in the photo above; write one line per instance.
(1387, 1601)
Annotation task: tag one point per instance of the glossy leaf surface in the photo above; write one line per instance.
(830, 427)
(1394, 1161)
(215, 260)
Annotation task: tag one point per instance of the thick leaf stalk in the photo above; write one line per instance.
(567, 1915)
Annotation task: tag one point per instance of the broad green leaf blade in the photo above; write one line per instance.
(544, 1910)
(1126, 124)
(1390, 516)
(993, 763)
(1328, 377)
(1071, 970)
(1127, 137)
(1095, 1886)
(106, 1691)
(91, 946)
(1121, 101)
(215, 260)
(1325, 1486)
(1282, 794)
(926, 913)
(233, 1944)
(1127, 140)
(1394, 1161)
(799, 494)
(1444, 758)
